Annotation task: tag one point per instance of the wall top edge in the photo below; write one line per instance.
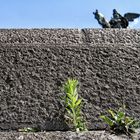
(70, 36)
(10, 29)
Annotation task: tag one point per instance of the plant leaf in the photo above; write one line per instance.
(78, 102)
(112, 113)
(107, 120)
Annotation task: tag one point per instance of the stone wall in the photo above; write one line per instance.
(35, 63)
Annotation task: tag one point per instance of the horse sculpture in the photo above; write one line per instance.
(117, 21)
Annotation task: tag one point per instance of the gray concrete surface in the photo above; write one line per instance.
(35, 63)
(70, 36)
(59, 135)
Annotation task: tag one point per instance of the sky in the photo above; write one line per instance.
(61, 13)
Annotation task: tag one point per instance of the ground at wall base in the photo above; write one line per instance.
(68, 135)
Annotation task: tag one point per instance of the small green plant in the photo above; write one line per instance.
(73, 105)
(28, 129)
(119, 122)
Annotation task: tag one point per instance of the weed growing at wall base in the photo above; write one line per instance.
(119, 122)
(73, 105)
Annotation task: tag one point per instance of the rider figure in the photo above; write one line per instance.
(116, 20)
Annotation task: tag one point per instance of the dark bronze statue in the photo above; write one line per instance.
(101, 20)
(117, 21)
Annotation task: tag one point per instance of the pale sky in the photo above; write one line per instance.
(61, 13)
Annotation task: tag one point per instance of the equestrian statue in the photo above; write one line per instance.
(117, 21)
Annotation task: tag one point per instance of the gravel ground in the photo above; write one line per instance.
(59, 135)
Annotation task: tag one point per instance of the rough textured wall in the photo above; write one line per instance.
(35, 63)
